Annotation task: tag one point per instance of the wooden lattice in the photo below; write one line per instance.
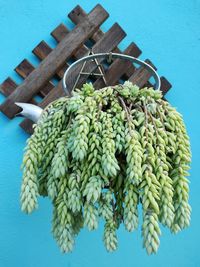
(72, 45)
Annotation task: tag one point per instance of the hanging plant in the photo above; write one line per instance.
(102, 153)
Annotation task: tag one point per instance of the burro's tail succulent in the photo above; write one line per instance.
(102, 153)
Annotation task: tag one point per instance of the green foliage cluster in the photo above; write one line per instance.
(101, 154)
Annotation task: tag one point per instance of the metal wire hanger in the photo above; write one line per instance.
(109, 56)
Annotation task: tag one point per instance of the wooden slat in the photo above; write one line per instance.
(8, 86)
(55, 60)
(141, 75)
(25, 68)
(165, 85)
(42, 50)
(77, 15)
(87, 29)
(60, 32)
(109, 41)
(119, 67)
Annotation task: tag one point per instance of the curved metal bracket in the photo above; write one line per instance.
(109, 57)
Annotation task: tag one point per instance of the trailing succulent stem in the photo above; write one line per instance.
(99, 154)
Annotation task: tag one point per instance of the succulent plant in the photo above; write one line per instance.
(99, 154)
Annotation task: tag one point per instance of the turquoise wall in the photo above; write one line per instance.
(168, 32)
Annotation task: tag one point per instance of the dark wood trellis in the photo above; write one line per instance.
(72, 45)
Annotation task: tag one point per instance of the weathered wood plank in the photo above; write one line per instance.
(119, 67)
(54, 61)
(25, 68)
(60, 32)
(109, 41)
(8, 86)
(42, 50)
(77, 15)
(141, 75)
(165, 85)
(105, 44)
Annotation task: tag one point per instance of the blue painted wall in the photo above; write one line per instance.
(168, 32)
